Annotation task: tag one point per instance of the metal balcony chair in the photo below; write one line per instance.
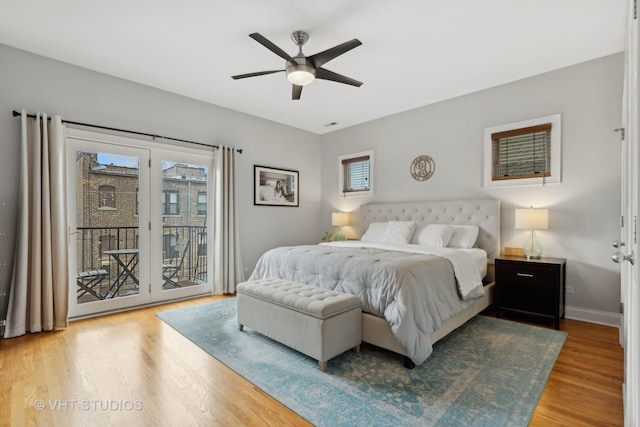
(89, 280)
(171, 270)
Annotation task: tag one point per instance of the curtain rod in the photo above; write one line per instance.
(33, 116)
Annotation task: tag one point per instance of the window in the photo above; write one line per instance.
(202, 203)
(355, 174)
(170, 202)
(202, 249)
(523, 153)
(168, 243)
(106, 197)
(137, 201)
(107, 243)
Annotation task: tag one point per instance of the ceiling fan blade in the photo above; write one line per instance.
(325, 56)
(324, 74)
(296, 92)
(259, 73)
(269, 45)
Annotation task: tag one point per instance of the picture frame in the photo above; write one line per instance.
(275, 186)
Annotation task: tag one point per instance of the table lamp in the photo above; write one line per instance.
(532, 219)
(339, 219)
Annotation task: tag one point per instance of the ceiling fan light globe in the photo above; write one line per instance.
(300, 78)
(300, 74)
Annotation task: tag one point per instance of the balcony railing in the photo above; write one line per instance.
(184, 258)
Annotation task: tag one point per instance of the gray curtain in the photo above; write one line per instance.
(228, 266)
(39, 292)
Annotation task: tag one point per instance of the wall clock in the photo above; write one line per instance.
(422, 168)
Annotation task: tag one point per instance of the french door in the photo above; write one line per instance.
(139, 223)
(180, 222)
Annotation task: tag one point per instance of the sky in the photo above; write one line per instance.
(133, 162)
(108, 159)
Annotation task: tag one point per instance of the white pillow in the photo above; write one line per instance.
(399, 232)
(432, 235)
(464, 236)
(375, 232)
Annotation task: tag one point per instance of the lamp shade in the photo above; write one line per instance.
(532, 219)
(339, 218)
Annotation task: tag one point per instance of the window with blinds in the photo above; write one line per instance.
(528, 152)
(522, 153)
(355, 174)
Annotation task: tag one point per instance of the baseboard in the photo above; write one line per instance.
(593, 316)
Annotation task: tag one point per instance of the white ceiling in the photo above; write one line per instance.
(414, 52)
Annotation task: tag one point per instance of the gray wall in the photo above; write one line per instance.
(36, 83)
(584, 209)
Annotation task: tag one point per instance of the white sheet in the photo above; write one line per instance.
(469, 265)
(480, 257)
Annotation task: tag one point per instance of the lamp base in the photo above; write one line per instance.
(339, 236)
(532, 248)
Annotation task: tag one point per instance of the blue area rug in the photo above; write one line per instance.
(489, 372)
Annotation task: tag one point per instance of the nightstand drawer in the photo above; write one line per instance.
(527, 274)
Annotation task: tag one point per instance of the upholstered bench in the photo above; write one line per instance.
(315, 321)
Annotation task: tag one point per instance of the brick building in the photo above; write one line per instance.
(107, 200)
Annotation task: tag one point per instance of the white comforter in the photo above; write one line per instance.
(466, 269)
(414, 288)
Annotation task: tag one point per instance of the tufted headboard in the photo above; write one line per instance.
(484, 213)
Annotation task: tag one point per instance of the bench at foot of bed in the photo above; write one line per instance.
(315, 321)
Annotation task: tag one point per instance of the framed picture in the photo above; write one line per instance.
(275, 187)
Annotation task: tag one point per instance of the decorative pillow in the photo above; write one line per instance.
(432, 235)
(463, 236)
(399, 232)
(375, 232)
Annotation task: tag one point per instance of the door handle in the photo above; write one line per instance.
(619, 257)
(617, 244)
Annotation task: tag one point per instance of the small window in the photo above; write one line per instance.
(137, 201)
(107, 197)
(355, 174)
(170, 204)
(523, 153)
(168, 243)
(202, 203)
(202, 249)
(107, 243)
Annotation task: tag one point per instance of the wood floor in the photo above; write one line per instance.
(131, 369)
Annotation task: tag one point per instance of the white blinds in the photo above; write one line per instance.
(356, 174)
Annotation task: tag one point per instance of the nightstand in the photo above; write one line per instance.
(534, 286)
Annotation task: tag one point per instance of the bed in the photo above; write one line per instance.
(413, 294)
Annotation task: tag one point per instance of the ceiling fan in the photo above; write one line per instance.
(302, 70)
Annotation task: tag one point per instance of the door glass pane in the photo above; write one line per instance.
(184, 230)
(107, 226)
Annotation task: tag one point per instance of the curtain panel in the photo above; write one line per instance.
(228, 266)
(39, 291)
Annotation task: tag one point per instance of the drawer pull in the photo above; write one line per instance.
(524, 274)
